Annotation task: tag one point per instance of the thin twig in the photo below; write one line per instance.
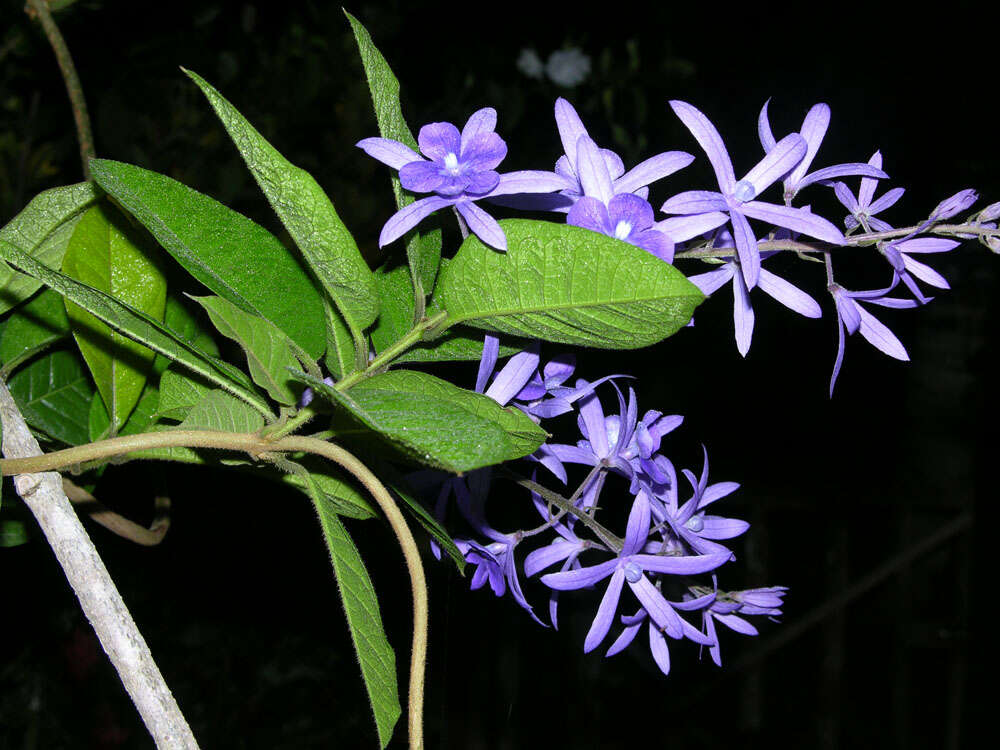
(92, 584)
(118, 524)
(40, 9)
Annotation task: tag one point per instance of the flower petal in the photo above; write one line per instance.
(592, 214)
(605, 613)
(438, 139)
(488, 361)
(796, 219)
(570, 128)
(879, 336)
(746, 249)
(482, 121)
(814, 128)
(742, 315)
(681, 566)
(659, 609)
(388, 151)
(483, 225)
(778, 162)
(421, 176)
(408, 217)
(658, 647)
(532, 181)
(682, 228)
(651, 170)
(764, 129)
(789, 295)
(595, 179)
(695, 202)
(581, 577)
(709, 139)
(542, 558)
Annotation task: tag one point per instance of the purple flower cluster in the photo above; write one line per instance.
(667, 541)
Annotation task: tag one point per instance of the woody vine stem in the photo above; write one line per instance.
(259, 447)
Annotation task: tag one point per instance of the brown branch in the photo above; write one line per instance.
(118, 524)
(39, 9)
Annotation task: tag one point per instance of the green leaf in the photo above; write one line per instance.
(566, 284)
(54, 392)
(42, 230)
(138, 326)
(13, 533)
(106, 254)
(377, 659)
(218, 410)
(422, 251)
(340, 359)
(141, 419)
(342, 494)
(434, 422)
(33, 327)
(268, 349)
(179, 392)
(307, 214)
(187, 328)
(231, 255)
(395, 320)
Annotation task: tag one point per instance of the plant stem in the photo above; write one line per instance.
(40, 9)
(92, 584)
(256, 446)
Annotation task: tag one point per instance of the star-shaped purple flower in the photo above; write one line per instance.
(862, 208)
(736, 198)
(459, 168)
(814, 128)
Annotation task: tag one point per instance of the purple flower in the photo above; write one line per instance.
(954, 205)
(459, 168)
(724, 606)
(862, 208)
(852, 317)
(898, 255)
(737, 197)
(743, 317)
(814, 127)
(625, 217)
(657, 642)
(631, 566)
(574, 165)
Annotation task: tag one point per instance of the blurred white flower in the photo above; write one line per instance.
(529, 63)
(568, 67)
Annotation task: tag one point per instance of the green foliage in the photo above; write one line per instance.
(218, 410)
(395, 290)
(231, 255)
(335, 488)
(339, 359)
(53, 393)
(106, 254)
(269, 351)
(186, 327)
(138, 326)
(378, 662)
(179, 392)
(566, 284)
(32, 328)
(433, 422)
(42, 230)
(140, 420)
(307, 214)
(422, 251)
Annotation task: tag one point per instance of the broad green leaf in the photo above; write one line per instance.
(217, 410)
(141, 419)
(268, 349)
(377, 659)
(139, 327)
(231, 255)
(434, 422)
(566, 284)
(345, 498)
(340, 359)
(13, 533)
(42, 230)
(187, 328)
(307, 214)
(33, 327)
(423, 251)
(395, 320)
(54, 392)
(106, 254)
(179, 392)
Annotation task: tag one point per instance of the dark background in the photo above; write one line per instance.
(238, 603)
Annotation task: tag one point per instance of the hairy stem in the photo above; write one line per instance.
(257, 446)
(40, 10)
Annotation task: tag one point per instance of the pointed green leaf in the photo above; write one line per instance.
(54, 394)
(307, 214)
(268, 350)
(423, 251)
(395, 320)
(137, 326)
(377, 659)
(179, 392)
(217, 410)
(42, 230)
(106, 254)
(231, 255)
(566, 284)
(434, 422)
(33, 327)
(141, 419)
(187, 328)
(340, 359)
(344, 497)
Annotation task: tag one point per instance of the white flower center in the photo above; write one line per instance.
(744, 191)
(632, 572)
(623, 230)
(695, 524)
(451, 163)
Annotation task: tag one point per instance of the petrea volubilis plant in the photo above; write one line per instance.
(104, 362)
